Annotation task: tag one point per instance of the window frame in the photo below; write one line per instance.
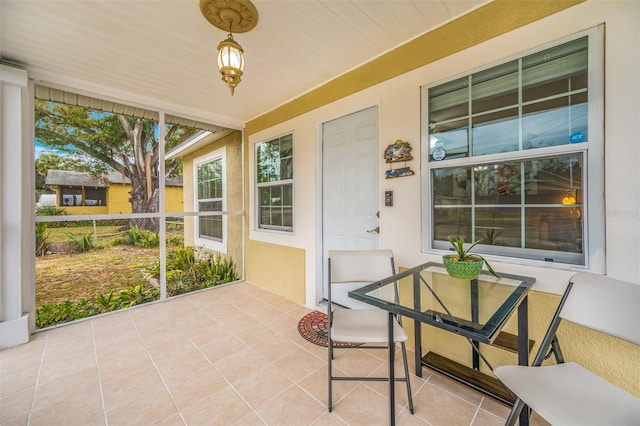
(281, 183)
(593, 231)
(71, 192)
(67, 191)
(210, 242)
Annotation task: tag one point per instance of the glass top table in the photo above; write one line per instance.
(476, 309)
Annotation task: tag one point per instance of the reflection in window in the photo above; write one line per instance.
(521, 204)
(274, 161)
(534, 102)
(532, 116)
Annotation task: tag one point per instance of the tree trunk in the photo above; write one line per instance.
(140, 203)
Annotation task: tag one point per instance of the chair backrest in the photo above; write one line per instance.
(604, 304)
(351, 269)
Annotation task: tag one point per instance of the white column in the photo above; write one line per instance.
(15, 218)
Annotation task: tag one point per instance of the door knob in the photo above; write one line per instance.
(375, 230)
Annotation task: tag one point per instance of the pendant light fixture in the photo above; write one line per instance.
(237, 16)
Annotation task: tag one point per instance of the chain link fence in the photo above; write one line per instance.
(67, 236)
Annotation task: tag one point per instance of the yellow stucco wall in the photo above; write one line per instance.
(607, 356)
(72, 210)
(173, 199)
(277, 268)
(234, 194)
(118, 199)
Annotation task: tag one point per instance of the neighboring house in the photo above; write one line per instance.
(82, 193)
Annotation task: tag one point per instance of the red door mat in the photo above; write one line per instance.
(313, 327)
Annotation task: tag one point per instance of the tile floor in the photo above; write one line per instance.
(227, 356)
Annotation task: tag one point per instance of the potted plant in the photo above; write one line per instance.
(462, 264)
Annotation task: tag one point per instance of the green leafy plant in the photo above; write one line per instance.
(182, 258)
(106, 302)
(42, 236)
(178, 283)
(134, 235)
(137, 295)
(187, 272)
(50, 211)
(218, 270)
(51, 314)
(141, 238)
(175, 240)
(465, 255)
(82, 242)
(127, 297)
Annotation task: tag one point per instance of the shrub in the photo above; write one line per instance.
(175, 240)
(186, 273)
(106, 302)
(215, 270)
(51, 314)
(141, 238)
(183, 258)
(82, 242)
(127, 297)
(179, 283)
(42, 236)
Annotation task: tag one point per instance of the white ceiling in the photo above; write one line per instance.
(161, 53)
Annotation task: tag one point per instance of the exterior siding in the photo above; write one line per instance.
(234, 193)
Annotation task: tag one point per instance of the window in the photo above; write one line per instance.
(71, 197)
(210, 188)
(512, 151)
(274, 160)
(95, 196)
(80, 196)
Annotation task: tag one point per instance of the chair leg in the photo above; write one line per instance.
(518, 405)
(330, 396)
(406, 374)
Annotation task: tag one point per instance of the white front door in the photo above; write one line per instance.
(350, 180)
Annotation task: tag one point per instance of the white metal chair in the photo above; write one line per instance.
(567, 393)
(357, 322)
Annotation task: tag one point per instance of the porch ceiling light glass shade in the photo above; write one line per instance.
(230, 62)
(237, 16)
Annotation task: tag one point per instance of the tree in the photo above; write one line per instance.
(128, 145)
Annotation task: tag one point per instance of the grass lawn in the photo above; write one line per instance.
(84, 275)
